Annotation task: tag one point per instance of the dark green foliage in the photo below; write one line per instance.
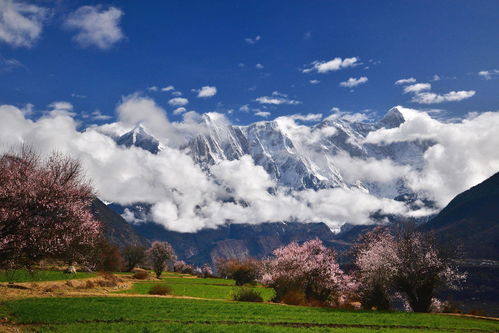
(245, 294)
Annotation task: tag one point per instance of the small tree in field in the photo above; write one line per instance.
(44, 209)
(242, 271)
(422, 270)
(411, 266)
(160, 254)
(206, 271)
(310, 269)
(375, 257)
(132, 256)
(181, 266)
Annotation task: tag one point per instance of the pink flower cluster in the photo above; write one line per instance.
(310, 268)
(44, 208)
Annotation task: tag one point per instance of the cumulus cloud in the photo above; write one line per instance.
(179, 110)
(414, 88)
(263, 114)
(405, 81)
(423, 95)
(21, 24)
(489, 74)
(331, 65)
(433, 98)
(207, 91)
(178, 101)
(314, 81)
(168, 88)
(353, 82)
(96, 26)
(307, 117)
(276, 99)
(463, 155)
(252, 40)
(259, 66)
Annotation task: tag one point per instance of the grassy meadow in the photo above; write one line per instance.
(41, 275)
(131, 311)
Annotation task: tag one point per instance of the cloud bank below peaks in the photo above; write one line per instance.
(184, 197)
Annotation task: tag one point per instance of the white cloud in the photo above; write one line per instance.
(489, 74)
(7, 65)
(414, 88)
(331, 65)
(405, 81)
(259, 66)
(176, 93)
(178, 101)
(423, 95)
(436, 77)
(263, 114)
(307, 117)
(244, 108)
(21, 24)
(353, 82)
(252, 40)
(207, 91)
(96, 26)
(465, 152)
(433, 98)
(314, 81)
(168, 88)
(152, 88)
(276, 99)
(179, 110)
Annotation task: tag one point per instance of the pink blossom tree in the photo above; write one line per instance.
(311, 269)
(181, 266)
(375, 258)
(44, 209)
(161, 255)
(206, 271)
(422, 270)
(411, 266)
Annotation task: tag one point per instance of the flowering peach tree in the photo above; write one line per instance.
(411, 266)
(44, 209)
(311, 269)
(160, 255)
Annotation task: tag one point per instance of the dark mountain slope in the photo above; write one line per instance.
(236, 240)
(115, 228)
(472, 219)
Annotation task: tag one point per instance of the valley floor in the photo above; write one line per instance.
(196, 305)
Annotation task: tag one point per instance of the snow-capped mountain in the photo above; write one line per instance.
(305, 158)
(140, 138)
(299, 157)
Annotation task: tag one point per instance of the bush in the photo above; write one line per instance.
(160, 289)
(295, 297)
(141, 275)
(242, 271)
(245, 294)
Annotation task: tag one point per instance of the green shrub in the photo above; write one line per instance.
(160, 289)
(245, 294)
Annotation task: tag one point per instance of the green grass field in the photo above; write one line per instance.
(37, 276)
(115, 314)
(203, 288)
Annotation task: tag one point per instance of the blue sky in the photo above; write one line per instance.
(451, 45)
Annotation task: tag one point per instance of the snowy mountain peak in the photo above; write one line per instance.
(393, 118)
(139, 137)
